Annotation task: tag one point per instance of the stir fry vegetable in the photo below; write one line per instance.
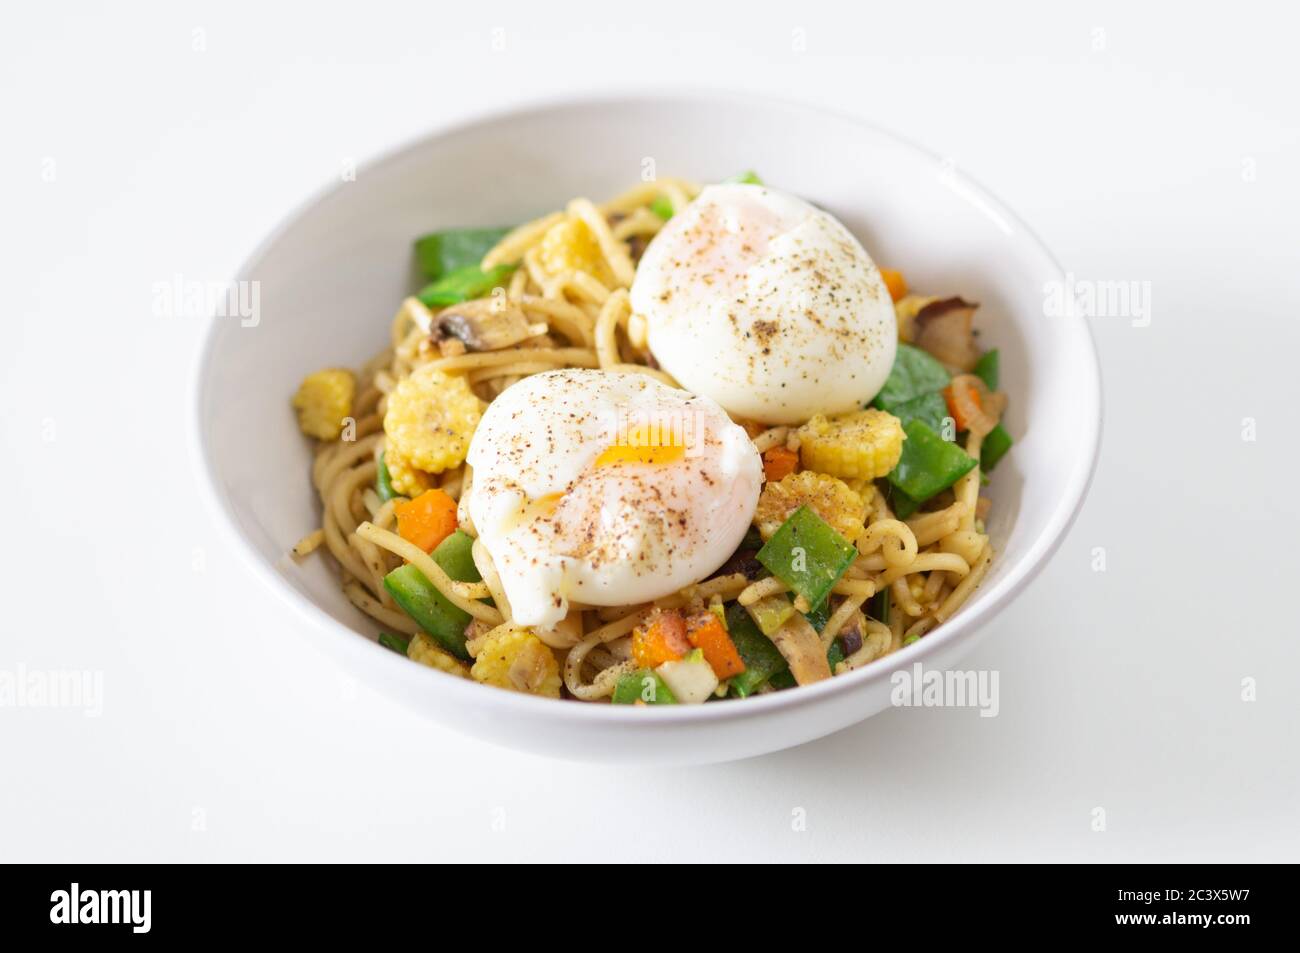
(463, 284)
(440, 253)
(430, 609)
(807, 555)
(426, 520)
(643, 685)
(929, 463)
(384, 482)
(761, 657)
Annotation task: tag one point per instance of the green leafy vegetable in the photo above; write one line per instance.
(931, 409)
(807, 554)
(914, 374)
(440, 253)
(880, 606)
(463, 284)
(929, 463)
(761, 657)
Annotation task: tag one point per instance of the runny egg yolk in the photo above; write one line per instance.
(645, 443)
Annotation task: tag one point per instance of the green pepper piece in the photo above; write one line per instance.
(807, 554)
(994, 447)
(643, 685)
(929, 463)
(987, 369)
(430, 609)
(398, 643)
(761, 657)
(662, 206)
(463, 284)
(914, 374)
(440, 253)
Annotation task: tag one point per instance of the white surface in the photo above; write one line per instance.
(1166, 156)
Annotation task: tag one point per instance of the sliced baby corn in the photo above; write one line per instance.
(863, 445)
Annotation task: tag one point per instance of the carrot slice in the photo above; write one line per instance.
(963, 403)
(895, 282)
(778, 462)
(661, 639)
(707, 633)
(426, 520)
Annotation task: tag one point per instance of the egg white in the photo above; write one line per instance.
(766, 304)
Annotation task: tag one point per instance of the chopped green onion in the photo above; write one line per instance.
(748, 177)
(643, 685)
(463, 284)
(994, 447)
(398, 643)
(761, 657)
(662, 206)
(431, 610)
(384, 482)
(929, 463)
(986, 369)
(440, 253)
(808, 555)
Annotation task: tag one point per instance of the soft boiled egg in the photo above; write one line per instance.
(606, 488)
(766, 304)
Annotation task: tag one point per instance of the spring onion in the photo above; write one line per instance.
(807, 554)
(440, 253)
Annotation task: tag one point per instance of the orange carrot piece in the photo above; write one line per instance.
(895, 282)
(778, 462)
(426, 520)
(661, 639)
(964, 405)
(707, 633)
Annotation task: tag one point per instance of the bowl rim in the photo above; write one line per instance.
(461, 691)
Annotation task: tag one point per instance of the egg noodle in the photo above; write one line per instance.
(929, 563)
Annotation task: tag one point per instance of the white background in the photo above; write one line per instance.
(1158, 146)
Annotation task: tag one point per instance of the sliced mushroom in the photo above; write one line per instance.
(485, 324)
(944, 328)
(803, 649)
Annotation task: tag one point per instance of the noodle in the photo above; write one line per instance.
(579, 315)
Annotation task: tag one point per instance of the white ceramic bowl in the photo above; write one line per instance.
(332, 275)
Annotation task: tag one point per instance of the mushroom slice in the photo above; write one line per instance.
(944, 329)
(485, 324)
(802, 648)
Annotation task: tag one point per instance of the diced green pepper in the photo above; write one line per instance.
(994, 447)
(914, 374)
(929, 463)
(986, 369)
(398, 643)
(643, 685)
(430, 609)
(463, 284)
(662, 206)
(807, 554)
(384, 482)
(761, 657)
(748, 177)
(440, 253)
(455, 555)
